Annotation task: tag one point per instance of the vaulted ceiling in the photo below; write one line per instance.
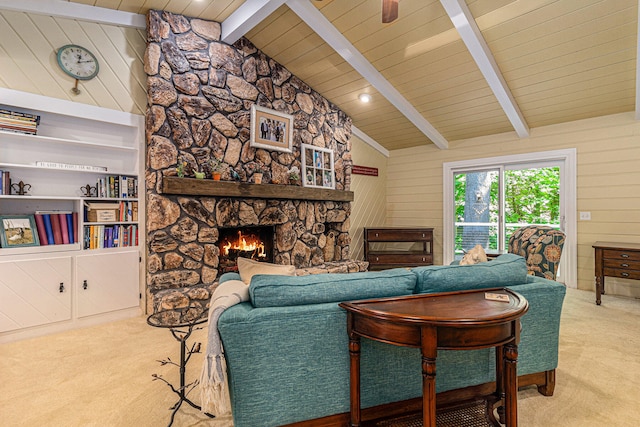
(505, 66)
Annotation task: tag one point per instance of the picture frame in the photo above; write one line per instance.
(271, 129)
(318, 167)
(18, 231)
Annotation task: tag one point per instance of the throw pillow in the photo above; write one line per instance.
(474, 256)
(249, 268)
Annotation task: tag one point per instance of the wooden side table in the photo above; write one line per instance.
(453, 321)
(615, 259)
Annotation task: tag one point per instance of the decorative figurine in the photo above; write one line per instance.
(21, 188)
(89, 191)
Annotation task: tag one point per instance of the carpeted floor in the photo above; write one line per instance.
(101, 376)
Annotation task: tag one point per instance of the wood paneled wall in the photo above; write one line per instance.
(28, 46)
(608, 183)
(370, 196)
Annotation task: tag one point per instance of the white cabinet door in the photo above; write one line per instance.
(34, 292)
(107, 282)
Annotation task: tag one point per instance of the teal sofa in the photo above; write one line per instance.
(287, 348)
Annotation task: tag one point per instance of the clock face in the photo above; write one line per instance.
(78, 62)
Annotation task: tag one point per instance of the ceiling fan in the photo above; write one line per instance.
(389, 11)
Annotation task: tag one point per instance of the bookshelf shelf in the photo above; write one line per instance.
(52, 140)
(60, 170)
(69, 139)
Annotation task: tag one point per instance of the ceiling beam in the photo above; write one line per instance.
(464, 22)
(321, 25)
(247, 16)
(83, 12)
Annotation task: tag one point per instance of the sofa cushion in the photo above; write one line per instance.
(249, 268)
(279, 291)
(505, 270)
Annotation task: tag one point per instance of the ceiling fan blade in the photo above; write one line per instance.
(389, 11)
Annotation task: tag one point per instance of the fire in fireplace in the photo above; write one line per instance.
(247, 242)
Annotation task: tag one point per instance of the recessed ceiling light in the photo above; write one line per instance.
(364, 97)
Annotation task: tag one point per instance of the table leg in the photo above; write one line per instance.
(429, 348)
(511, 384)
(354, 373)
(599, 289)
(500, 390)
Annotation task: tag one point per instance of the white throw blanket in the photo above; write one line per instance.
(213, 380)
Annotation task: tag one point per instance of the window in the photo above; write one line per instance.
(486, 200)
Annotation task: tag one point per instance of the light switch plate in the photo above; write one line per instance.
(585, 216)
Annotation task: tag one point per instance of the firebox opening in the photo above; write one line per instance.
(247, 242)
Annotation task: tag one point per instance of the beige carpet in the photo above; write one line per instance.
(101, 376)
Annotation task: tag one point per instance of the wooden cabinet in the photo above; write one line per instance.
(398, 247)
(82, 155)
(35, 292)
(614, 259)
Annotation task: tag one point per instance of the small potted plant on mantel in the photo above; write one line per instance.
(216, 167)
(294, 175)
(258, 173)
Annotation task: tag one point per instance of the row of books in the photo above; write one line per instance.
(16, 121)
(57, 228)
(5, 182)
(110, 236)
(117, 186)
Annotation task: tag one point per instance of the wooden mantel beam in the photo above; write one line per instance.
(210, 188)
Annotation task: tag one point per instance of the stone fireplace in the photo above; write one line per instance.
(200, 93)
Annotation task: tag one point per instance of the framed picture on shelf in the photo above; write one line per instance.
(271, 129)
(17, 231)
(317, 167)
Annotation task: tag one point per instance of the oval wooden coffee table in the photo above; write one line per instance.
(464, 320)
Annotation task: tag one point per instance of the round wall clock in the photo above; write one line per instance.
(78, 62)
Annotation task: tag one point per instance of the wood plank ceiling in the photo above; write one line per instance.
(561, 60)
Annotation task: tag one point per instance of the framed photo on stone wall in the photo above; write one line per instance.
(317, 167)
(271, 129)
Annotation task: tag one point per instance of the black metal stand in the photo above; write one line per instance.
(181, 332)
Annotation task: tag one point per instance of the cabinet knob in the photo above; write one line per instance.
(377, 259)
(424, 235)
(423, 259)
(84, 285)
(625, 274)
(377, 235)
(625, 255)
(61, 288)
(624, 265)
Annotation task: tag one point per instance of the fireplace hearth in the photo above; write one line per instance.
(255, 243)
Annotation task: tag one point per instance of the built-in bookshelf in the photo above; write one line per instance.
(78, 158)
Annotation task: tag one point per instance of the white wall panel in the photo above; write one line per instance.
(28, 46)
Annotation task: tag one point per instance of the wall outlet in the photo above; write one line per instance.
(585, 216)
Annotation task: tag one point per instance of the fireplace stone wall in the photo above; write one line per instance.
(200, 92)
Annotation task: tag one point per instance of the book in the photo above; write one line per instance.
(42, 231)
(57, 232)
(19, 114)
(72, 238)
(1, 186)
(6, 183)
(74, 216)
(64, 228)
(48, 228)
